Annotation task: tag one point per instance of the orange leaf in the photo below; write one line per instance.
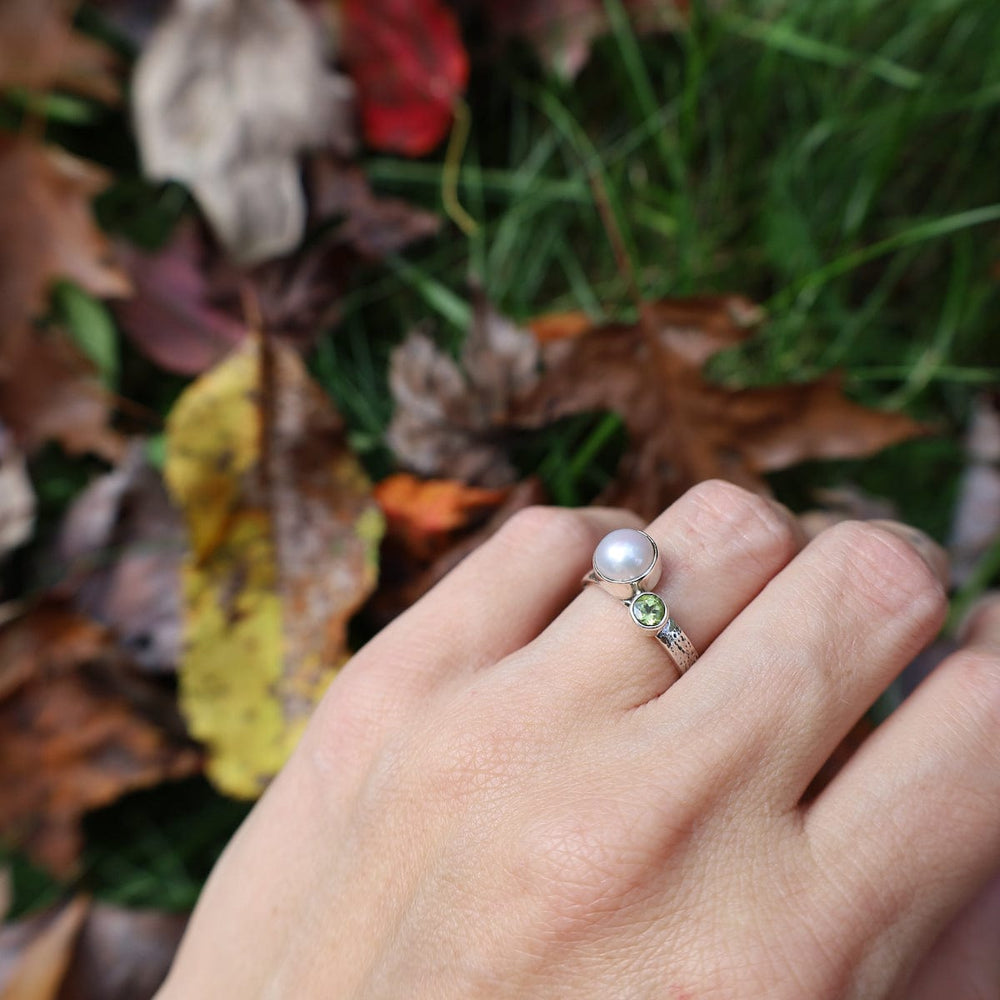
(421, 513)
(559, 326)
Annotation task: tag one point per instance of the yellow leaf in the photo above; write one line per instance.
(284, 538)
(214, 438)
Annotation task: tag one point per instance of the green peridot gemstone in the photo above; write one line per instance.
(649, 610)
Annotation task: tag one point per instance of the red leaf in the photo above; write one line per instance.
(409, 64)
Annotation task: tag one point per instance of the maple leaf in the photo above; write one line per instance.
(47, 388)
(77, 730)
(284, 537)
(39, 50)
(683, 428)
(226, 95)
(408, 61)
(453, 419)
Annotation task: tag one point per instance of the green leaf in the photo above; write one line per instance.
(91, 327)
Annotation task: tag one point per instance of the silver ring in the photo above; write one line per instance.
(627, 566)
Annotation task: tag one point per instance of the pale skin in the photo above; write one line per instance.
(509, 792)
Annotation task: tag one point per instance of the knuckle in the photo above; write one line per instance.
(736, 517)
(562, 526)
(887, 571)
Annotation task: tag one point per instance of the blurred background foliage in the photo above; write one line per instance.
(834, 162)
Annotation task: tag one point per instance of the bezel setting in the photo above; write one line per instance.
(628, 588)
(653, 619)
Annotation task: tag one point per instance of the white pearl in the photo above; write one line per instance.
(624, 555)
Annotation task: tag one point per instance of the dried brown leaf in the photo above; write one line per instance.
(40, 50)
(17, 497)
(452, 419)
(38, 970)
(122, 954)
(226, 96)
(562, 31)
(457, 421)
(845, 503)
(47, 231)
(77, 730)
(298, 296)
(171, 317)
(49, 391)
(124, 541)
(6, 891)
(135, 19)
(976, 520)
(682, 428)
(189, 309)
(372, 225)
(88, 951)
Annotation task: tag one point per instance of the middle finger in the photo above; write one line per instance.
(785, 682)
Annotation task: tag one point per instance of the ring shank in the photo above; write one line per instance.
(671, 636)
(675, 641)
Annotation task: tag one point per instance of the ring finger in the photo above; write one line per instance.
(720, 545)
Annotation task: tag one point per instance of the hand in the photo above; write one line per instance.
(510, 793)
(964, 964)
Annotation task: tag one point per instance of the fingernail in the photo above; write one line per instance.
(928, 550)
(982, 616)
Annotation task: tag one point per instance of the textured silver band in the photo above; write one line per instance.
(675, 641)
